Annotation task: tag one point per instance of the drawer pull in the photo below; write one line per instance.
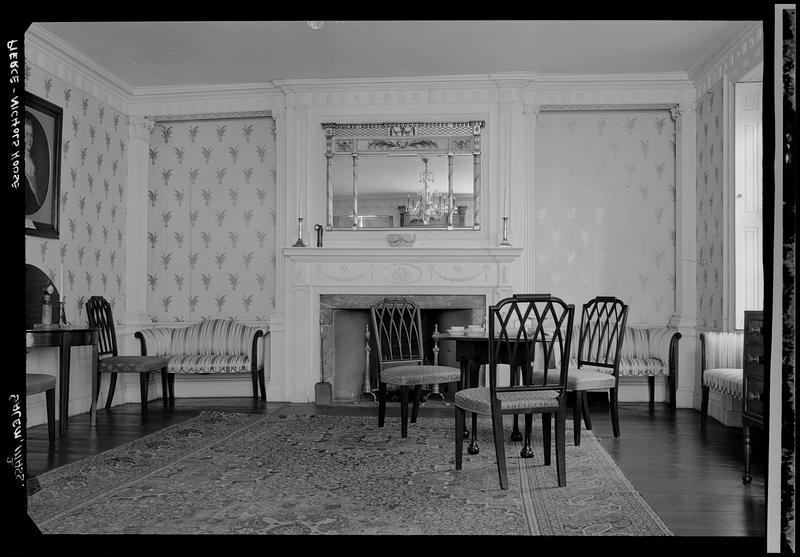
(753, 396)
(755, 359)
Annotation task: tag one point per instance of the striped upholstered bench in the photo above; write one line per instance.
(646, 352)
(212, 346)
(722, 367)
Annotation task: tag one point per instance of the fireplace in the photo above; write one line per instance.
(348, 365)
(330, 289)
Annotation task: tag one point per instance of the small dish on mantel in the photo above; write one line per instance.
(401, 240)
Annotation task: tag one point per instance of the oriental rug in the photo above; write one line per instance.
(238, 473)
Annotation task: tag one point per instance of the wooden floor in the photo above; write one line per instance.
(691, 479)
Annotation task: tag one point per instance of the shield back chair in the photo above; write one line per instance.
(98, 311)
(594, 366)
(36, 383)
(397, 325)
(602, 331)
(542, 346)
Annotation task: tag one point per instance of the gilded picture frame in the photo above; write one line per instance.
(42, 166)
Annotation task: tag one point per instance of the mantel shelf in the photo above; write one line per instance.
(444, 253)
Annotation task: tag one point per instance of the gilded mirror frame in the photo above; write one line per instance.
(423, 139)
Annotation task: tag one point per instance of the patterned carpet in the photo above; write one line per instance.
(228, 473)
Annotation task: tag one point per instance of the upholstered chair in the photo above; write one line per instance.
(722, 367)
(36, 383)
(98, 311)
(651, 352)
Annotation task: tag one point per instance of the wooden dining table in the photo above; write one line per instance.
(64, 338)
(472, 352)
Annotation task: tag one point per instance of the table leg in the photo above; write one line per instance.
(465, 385)
(473, 372)
(63, 386)
(527, 450)
(93, 406)
(515, 433)
(473, 448)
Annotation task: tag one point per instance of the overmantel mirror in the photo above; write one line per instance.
(403, 175)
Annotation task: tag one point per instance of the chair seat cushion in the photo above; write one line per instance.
(38, 383)
(478, 400)
(209, 363)
(643, 367)
(729, 381)
(420, 375)
(132, 364)
(586, 378)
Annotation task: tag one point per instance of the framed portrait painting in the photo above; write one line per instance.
(43, 121)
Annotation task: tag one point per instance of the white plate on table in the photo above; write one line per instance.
(457, 333)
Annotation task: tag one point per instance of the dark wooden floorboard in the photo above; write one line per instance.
(693, 480)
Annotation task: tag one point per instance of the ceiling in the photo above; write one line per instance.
(145, 54)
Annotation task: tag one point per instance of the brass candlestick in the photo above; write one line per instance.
(299, 243)
(62, 314)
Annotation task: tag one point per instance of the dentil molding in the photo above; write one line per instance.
(738, 58)
(53, 55)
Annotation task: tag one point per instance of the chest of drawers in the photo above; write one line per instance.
(754, 408)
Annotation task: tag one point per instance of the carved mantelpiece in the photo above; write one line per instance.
(388, 270)
(312, 272)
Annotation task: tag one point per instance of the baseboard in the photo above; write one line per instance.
(127, 391)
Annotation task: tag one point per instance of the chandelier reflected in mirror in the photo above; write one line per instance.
(427, 205)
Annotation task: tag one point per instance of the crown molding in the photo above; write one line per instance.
(710, 68)
(208, 102)
(171, 92)
(605, 107)
(508, 79)
(210, 116)
(412, 82)
(610, 81)
(70, 64)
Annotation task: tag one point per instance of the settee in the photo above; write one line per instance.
(646, 352)
(211, 346)
(722, 366)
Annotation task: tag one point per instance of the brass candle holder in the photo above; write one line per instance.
(299, 243)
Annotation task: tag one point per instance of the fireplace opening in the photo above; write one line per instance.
(345, 322)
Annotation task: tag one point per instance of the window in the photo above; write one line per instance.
(748, 219)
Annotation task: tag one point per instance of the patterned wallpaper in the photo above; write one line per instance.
(211, 220)
(91, 247)
(709, 208)
(605, 209)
